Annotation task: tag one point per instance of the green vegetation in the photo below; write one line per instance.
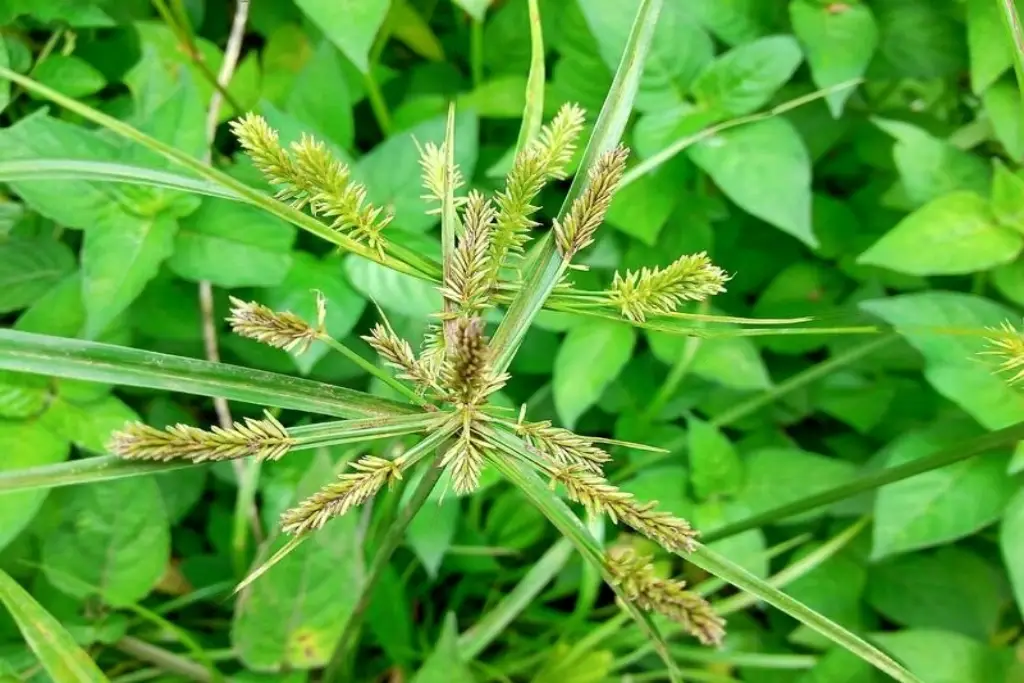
(524, 340)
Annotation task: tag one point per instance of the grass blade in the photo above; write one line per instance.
(533, 112)
(548, 266)
(284, 211)
(870, 482)
(570, 526)
(714, 563)
(95, 362)
(481, 634)
(56, 650)
(107, 171)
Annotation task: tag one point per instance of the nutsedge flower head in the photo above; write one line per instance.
(281, 330)
(657, 291)
(587, 212)
(350, 490)
(634, 575)
(265, 439)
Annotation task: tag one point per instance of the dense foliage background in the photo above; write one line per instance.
(892, 202)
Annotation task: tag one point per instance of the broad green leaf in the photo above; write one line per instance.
(991, 51)
(69, 75)
(715, 467)
(1008, 198)
(117, 262)
(1011, 541)
(680, 48)
(392, 173)
(942, 505)
(87, 425)
(642, 208)
(297, 293)
(834, 589)
(746, 549)
(930, 167)
(393, 291)
(764, 168)
(1002, 105)
(291, 617)
(351, 25)
(59, 312)
(29, 267)
(734, 362)
(776, 476)
(1009, 281)
(329, 116)
(839, 39)
(953, 366)
(919, 40)
(953, 234)
(952, 589)
(25, 444)
(232, 245)
(745, 78)
(53, 646)
(112, 537)
(736, 21)
(940, 656)
(445, 665)
(431, 531)
(589, 359)
(839, 665)
(22, 396)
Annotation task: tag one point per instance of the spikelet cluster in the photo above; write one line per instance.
(265, 439)
(634, 575)
(369, 474)
(433, 163)
(467, 374)
(544, 159)
(587, 212)
(658, 291)
(466, 284)
(398, 354)
(281, 330)
(1006, 343)
(465, 460)
(596, 494)
(309, 175)
(561, 447)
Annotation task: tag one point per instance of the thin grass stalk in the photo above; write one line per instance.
(875, 480)
(390, 543)
(533, 112)
(548, 266)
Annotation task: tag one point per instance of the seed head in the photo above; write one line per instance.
(635, 576)
(466, 283)
(561, 447)
(587, 212)
(351, 490)
(467, 372)
(265, 439)
(1007, 344)
(281, 330)
(656, 291)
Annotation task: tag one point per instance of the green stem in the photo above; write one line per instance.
(870, 482)
(246, 515)
(375, 370)
(675, 375)
(388, 545)
(476, 51)
(377, 103)
(752, 405)
(161, 658)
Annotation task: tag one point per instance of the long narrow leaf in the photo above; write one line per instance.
(108, 171)
(56, 650)
(533, 112)
(714, 563)
(548, 265)
(870, 482)
(77, 359)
